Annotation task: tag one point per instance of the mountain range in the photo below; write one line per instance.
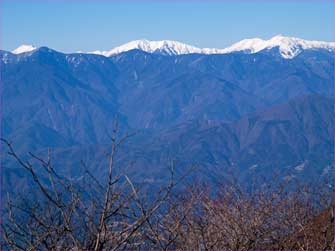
(289, 47)
(258, 107)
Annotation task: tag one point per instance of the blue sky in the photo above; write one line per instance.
(90, 25)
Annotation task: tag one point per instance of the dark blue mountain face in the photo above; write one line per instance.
(251, 113)
(224, 86)
(71, 96)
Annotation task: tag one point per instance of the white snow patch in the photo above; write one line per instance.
(167, 47)
(5, 59)
(300, 167)
(24, 48)
(289, 47)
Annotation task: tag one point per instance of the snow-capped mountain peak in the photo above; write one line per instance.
(167, 47)
(24, 48)
(289, 47)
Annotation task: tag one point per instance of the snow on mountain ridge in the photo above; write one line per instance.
(24, 48)
(168, 47)
(289, 47)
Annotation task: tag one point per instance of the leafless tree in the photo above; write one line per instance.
(274, 216)
(67, 214)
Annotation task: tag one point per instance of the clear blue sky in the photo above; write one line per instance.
(90, 25)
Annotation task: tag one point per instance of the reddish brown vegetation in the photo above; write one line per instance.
(116, 215)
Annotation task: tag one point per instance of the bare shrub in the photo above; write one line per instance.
(66, 214)
(275, 215)
(92, 215)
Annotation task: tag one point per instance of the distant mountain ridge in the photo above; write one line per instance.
(289, 47)
(258, 111)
